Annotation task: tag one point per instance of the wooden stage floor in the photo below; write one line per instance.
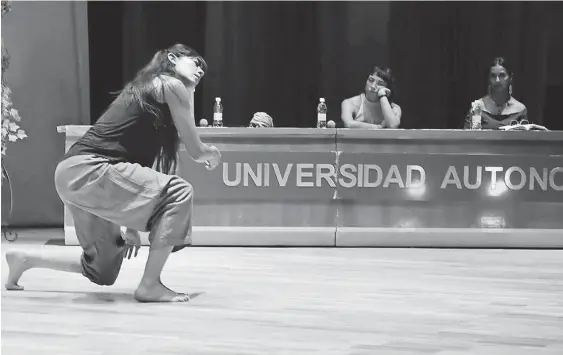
(298, 301)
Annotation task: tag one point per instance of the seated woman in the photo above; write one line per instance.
(498, 107)
(374, 108)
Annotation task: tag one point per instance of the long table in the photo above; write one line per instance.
(384, 188)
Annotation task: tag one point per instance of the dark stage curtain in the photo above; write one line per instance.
(280, 57)
(276, 57)
(442, 50)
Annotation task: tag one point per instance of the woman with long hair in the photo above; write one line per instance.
(374, 108)
(119, 179)
(499, 108)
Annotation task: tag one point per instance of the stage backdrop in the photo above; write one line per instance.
(272, 56)
(281, 56)
(48, 75)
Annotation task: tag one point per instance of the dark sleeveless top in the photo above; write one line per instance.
(125, 133)
(514, 111)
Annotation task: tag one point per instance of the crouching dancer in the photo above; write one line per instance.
(107, 180)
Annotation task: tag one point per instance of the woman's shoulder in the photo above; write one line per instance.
(353, 101)
(166, 83)
(516, 105)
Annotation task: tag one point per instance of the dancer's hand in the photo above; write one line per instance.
(215, 158)
(132, 242)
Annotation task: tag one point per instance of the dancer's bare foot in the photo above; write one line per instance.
(17, 263)
(159, 293)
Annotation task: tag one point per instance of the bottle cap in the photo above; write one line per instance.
(322, 99)
(218, 99)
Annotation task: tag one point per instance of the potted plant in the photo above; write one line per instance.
(11, 131)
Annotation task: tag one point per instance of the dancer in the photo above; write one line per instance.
(119, 179)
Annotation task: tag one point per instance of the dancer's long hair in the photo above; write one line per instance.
(142, 91)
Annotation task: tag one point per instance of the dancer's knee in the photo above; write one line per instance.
(183, 193)
(105, 279)
(61, 180)
(180, 198)
(101, 272)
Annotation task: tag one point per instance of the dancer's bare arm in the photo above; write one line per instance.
(180, 100)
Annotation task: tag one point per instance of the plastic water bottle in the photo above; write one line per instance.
(476, 110)
(321, 113)
(218, 113)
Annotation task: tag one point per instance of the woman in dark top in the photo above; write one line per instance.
(119, 179)
(498, 107)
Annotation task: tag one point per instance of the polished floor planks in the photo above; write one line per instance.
(299, 301)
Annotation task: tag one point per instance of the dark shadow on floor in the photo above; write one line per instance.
(88, 297)
(56, 241)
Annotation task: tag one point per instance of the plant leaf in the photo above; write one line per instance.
(15, 114)
(14, 127)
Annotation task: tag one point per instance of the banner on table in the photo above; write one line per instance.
(450, 177)
(262, 176)
(373, 176)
